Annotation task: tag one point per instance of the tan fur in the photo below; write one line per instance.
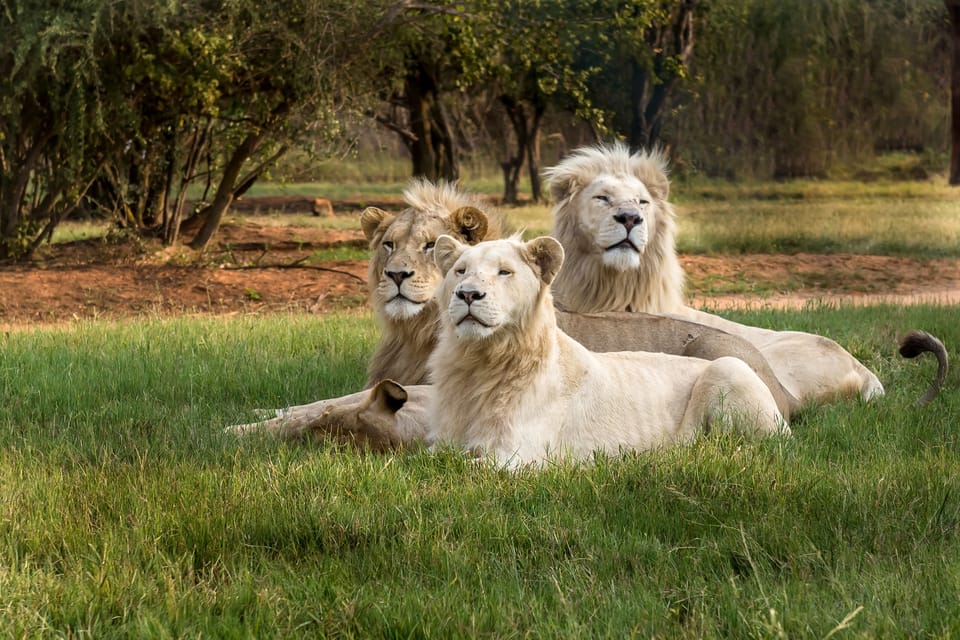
(401, 245)
(383, 418)
(812, 369)
(509, 384)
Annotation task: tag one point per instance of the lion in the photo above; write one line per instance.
(403, 276)
(385, 417)
(614, 220)
(510, 385)
(402, 280)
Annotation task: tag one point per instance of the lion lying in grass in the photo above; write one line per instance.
(402, 280)
(402, 275)
(510, 384)
(614, 220)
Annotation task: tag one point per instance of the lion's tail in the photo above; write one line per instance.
(917, 342)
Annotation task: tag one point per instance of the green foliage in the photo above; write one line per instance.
(121, 106)
(52, 115)
(794, 87)
(130, 514)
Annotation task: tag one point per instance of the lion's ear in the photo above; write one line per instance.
(561, 184)
(371, 219)
(470, 223)
(547, 254)
(388, 396)
(651, 168)
(446, 251)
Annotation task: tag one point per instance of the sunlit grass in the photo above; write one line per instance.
(72, 231)
(129, 513)
(883, 218)
(906, 226)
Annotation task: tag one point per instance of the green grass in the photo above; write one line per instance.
(865, 224)
(126, 512)
(919, 219)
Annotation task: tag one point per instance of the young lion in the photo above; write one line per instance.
(508, 383)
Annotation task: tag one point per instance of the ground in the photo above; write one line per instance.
(258, 269)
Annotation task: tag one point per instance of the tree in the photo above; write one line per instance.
(792, 87)
(271, 75)
(533, 49)
(54, 117)
(953, 8)
(126, 107)
(429, 59)
(655, 68)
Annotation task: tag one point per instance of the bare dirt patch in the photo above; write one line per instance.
(256, 269)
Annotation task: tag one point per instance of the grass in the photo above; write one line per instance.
(919, 219)
(126, 512)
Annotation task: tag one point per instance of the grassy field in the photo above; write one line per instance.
(126, 512)
(920, 219)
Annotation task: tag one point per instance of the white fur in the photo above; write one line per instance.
(522, 391)
(813, 369)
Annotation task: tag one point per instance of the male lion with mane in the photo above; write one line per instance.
(617, 227)
(509, 384)
(403, 276)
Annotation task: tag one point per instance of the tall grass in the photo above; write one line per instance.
(126, 512)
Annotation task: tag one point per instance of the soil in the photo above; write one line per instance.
(254, 269)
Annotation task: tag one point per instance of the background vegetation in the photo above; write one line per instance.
(153, 112)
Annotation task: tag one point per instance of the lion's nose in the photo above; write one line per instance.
(469, 295)
(398, 276)
(629, 218)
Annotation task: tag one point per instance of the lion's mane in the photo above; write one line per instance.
(432, 209)
(587, 285)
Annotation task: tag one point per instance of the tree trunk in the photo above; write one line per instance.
(213, 213)
(430, 141)
(649, 88)
(953, 8)
(533, 154)
(514, 163)
(199, 138)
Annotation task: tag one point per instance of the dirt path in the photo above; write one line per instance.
(97, 280)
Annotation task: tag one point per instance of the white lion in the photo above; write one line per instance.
(509, 384)
(613, 219)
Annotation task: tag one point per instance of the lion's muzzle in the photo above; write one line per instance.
(628, 217)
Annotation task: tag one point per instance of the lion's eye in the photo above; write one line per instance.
(644, 203)
(460, 271)
(428, 246)
(506, 272)
(602, 198)
(388, 246)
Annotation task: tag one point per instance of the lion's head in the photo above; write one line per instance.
(369, 423)
(613, 219)
(403, 275)
(494, 286)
